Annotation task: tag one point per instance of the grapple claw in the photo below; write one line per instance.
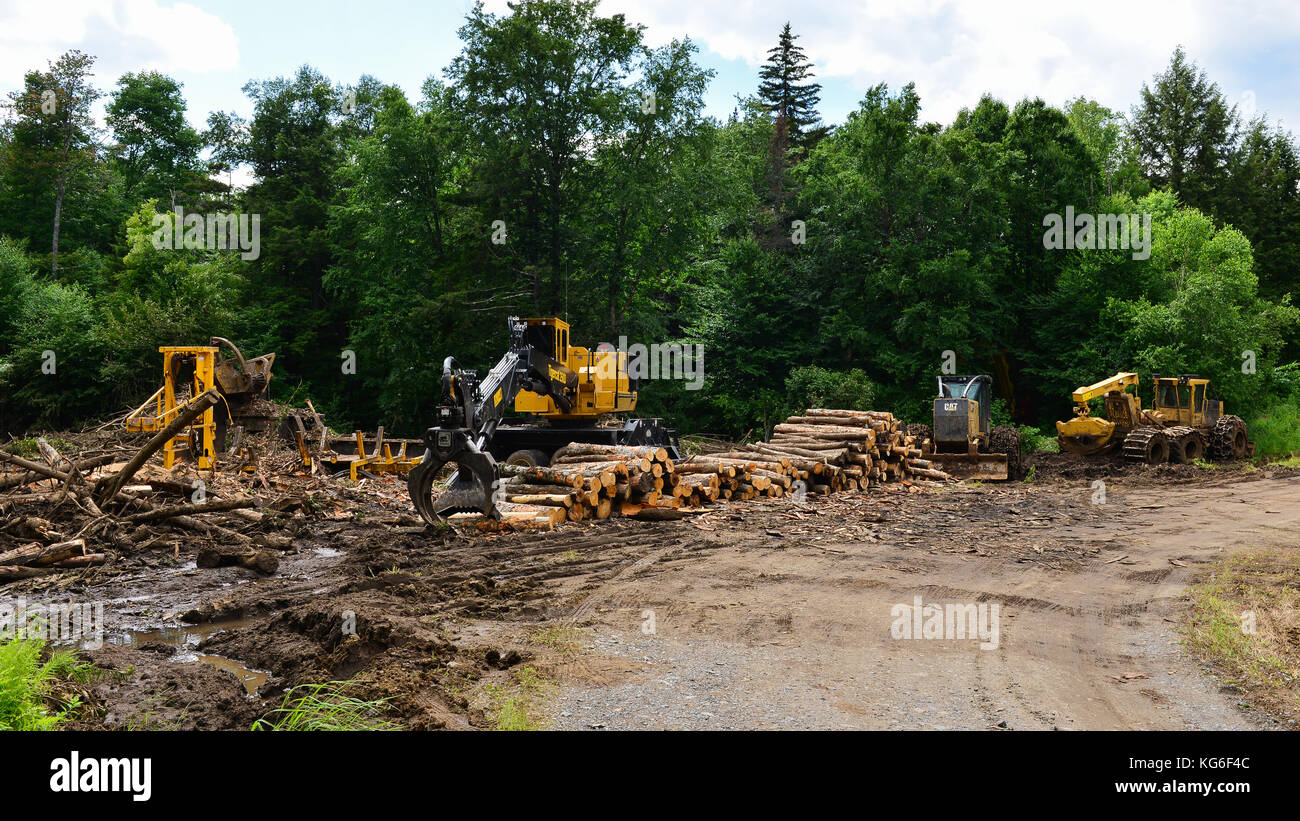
(471, 486)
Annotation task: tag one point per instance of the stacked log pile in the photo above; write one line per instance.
(829, 450)
(822, 451)
(586, 481)
(866, 448)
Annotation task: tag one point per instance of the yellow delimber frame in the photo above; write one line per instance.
(1118, 382)
(203, 430)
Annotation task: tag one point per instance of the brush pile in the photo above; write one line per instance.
(65, 511)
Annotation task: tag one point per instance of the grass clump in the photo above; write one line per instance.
(517, 706)
(1244, 624)
(325, 707)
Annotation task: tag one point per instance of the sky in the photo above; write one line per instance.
(953, 51)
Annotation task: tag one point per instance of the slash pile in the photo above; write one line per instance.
(92, 511)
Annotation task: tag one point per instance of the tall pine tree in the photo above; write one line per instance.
(786, 90)
(1185, 133)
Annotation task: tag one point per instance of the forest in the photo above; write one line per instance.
(561, 166)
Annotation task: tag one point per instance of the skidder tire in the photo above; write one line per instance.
(1146, 444)
(1229, 440)
(1006, 439)
(529, 458)
(1185, 444)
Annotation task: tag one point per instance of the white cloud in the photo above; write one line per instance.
(125, 35)
(957, 51)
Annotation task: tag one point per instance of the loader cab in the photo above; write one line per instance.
(603, 385)
(548, 335)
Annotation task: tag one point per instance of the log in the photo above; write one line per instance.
(650, 513)
(34, 467)
(930, 474)
(109, 486)
(56, 553)
(526, 488)
(9, 573)
(210, 506)
(825, 432)
(543, 475)
(557, 499)
(617, 465)
(687, 468)
(19, 556)
(849, 414)
(787, 451)
(263, 561)
(805, 443)
(613, 451)
(29, 477)
(190, 523)
(88, 560)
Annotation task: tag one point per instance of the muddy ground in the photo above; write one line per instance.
(766, 614)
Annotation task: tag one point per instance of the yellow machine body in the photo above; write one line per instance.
(199, 436)
(1186, 401)
(1086, 434)
(603, 384)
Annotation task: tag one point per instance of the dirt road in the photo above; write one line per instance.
(765, 614)
(791, 632)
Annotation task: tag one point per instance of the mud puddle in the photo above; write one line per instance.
(187, 640)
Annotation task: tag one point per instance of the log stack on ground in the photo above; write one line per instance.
(866, 449)
(821, 451)
(584, 481)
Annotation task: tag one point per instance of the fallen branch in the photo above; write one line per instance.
(213, 506)
(109, 486)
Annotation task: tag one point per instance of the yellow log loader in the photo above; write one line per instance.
(568, 394)
(1185, 422)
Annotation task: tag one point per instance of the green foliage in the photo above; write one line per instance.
(26, 682)
(635, 216)
(1102, 132)
(786, 88)
(1276, 430)
(816, 387)
(1034, 440)
(1200, 308)
(156, 152)
(1183, 130)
